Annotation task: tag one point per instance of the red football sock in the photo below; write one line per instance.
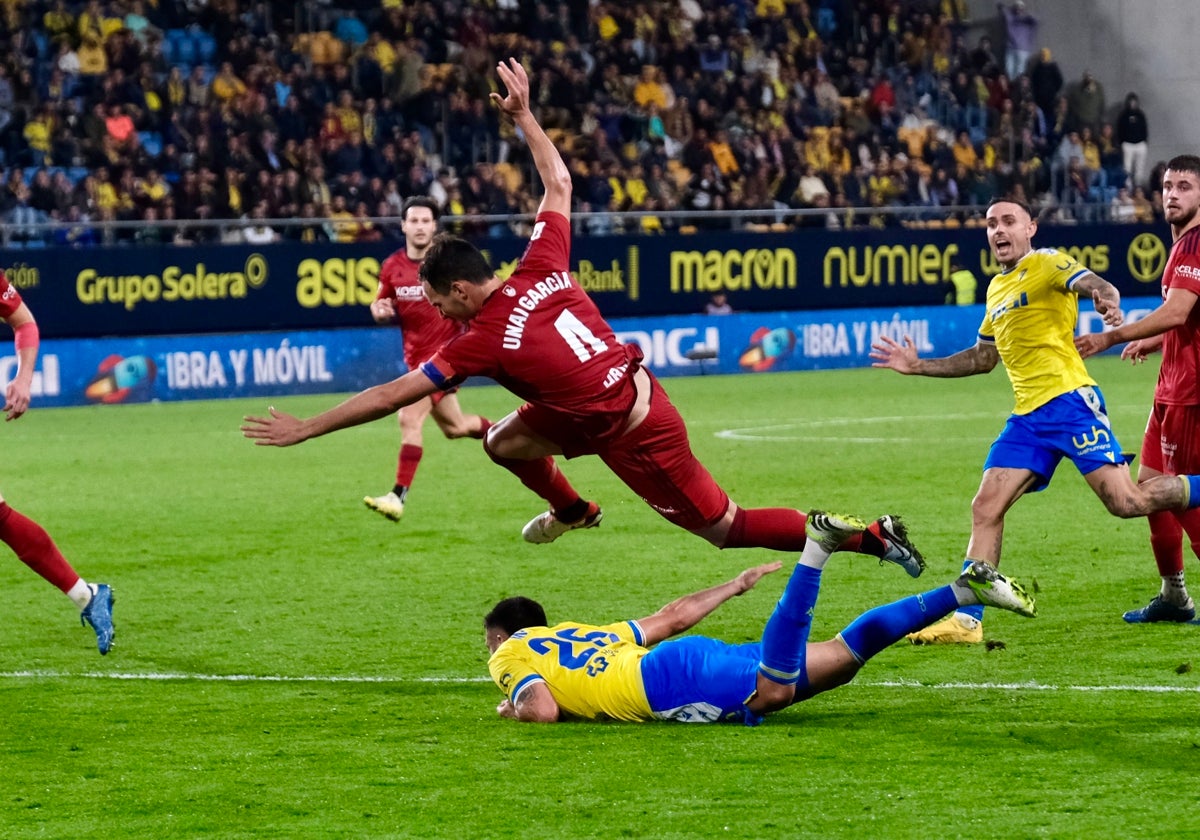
(484, 425)
(1190, 521)
(35, 548)
(866, 542)
(781, 529)
(1166, 541)
(410, 458)
(542, 476)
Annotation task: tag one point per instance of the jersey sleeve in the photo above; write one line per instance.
(627, 631)
(1066, 269)
(1185, 273)
(511, 672)
(549, 247)
(467, 354)
(987, 330)
(386, 282)
(10, 298)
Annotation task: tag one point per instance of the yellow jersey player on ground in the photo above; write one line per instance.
(620, 672)
(1029, 325)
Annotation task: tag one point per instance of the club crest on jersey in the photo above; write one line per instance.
(508, 291)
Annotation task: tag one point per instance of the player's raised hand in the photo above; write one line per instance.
(517, 81)
(1108, 307)
(280, 429)
(889, 353)
(747, 579)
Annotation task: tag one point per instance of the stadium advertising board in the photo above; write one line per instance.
(229, 288)
(265, 364)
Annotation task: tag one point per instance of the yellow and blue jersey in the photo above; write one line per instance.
(1031, 315)
(593, 672)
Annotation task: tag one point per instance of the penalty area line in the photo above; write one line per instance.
(395, 680)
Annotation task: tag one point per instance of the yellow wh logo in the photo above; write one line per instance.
(1087, 442)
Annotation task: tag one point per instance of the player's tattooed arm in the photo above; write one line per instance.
(903, 358)
(1105, 297)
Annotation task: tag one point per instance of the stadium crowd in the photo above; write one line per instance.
(158, 111)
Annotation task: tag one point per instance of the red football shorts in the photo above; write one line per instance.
(1172, 441)
(655, 460)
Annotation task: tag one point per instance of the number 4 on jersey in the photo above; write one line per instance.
(578, 337)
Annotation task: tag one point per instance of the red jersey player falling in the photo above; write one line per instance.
(28, 539)
(540, 336)
(401, 300)
(1171, 445)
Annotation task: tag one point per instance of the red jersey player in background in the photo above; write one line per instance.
(540, 336)
(1171, 445)
(28, 539)
(401, 300)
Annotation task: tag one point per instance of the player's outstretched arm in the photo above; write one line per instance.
(1175, 309)
(550, 166)
(686, 612)
(903, 358)
(281, 429)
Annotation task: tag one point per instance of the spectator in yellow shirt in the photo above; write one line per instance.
(722, 153)
(93, 61)
(226, 85)
(651, 89)
(347, 115)
(342, 226)
(964, 150)
(38, 133)
(636, 190)
(58, 21)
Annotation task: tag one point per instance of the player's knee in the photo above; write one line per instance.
(985, 511)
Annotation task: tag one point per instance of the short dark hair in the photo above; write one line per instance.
(513, 614)
(420, 201)
(1185, 163)
(1004, 199)
(451, 258)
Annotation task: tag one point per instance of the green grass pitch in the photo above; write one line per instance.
(289, 664)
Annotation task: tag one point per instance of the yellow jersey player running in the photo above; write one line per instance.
(1029, 325)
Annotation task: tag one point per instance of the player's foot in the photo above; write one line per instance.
(830, 530)
(547, 527)
(995, 590)
(1160, 610)
(98, 613)
(897, 548)
(955, 629)
(388, 504)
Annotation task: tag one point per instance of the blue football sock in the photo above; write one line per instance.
(882, 627)
(786, 635)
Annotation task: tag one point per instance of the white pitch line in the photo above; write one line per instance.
(182, 677)
(807, 429)
(352, 678)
